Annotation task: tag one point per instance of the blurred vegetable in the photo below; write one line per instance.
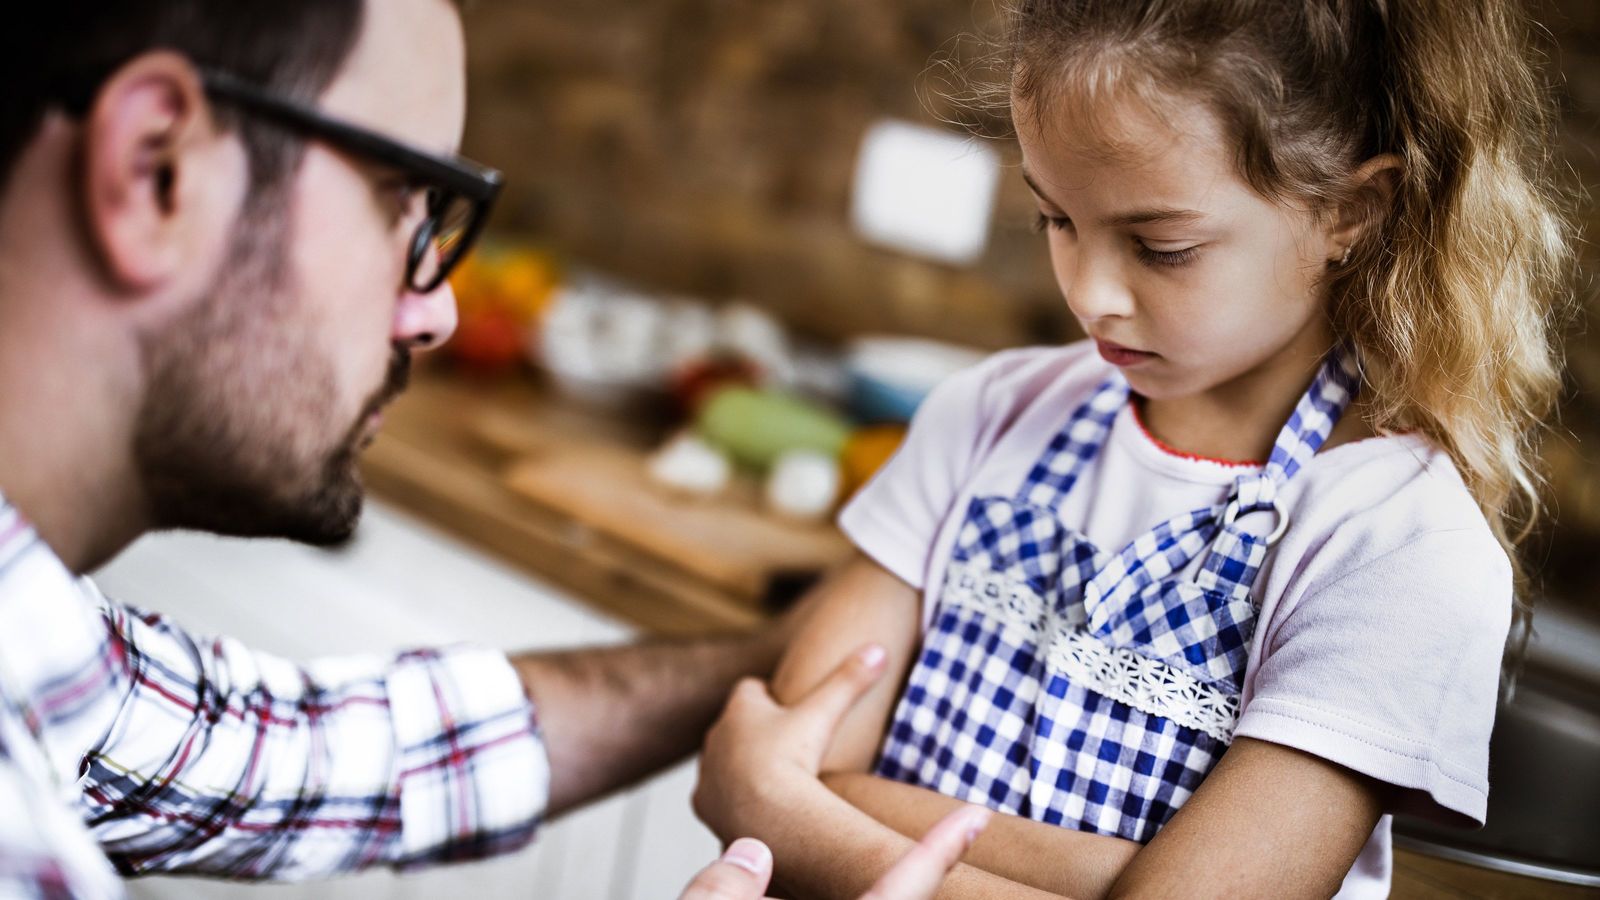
(501, 293)
(803, 484)
(689, 464)
(867, 451)
(603, 344)
(696, 380)
(487, 341)
(756, 427)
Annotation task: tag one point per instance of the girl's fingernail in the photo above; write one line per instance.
(872, 655)
(976, 823)
(750, 855)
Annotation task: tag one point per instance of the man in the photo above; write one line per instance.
(224, 228)
(225, 225)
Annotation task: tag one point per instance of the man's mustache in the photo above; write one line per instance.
(394, 383)
(399, 374)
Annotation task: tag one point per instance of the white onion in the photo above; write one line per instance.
(689, 464)
(803, 484)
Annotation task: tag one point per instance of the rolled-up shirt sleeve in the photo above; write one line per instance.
(226, 761)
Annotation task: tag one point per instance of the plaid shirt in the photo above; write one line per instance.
(123, 738)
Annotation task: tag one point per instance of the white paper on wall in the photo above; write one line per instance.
(925, 191)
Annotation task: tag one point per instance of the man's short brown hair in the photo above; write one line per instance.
(58, 54)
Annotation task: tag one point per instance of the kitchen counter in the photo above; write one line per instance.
(433, 460)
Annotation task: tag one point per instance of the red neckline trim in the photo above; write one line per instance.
(1184, 454)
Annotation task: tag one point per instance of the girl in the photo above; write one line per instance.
(1207, 596)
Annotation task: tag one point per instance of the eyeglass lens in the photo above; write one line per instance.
(441, 240)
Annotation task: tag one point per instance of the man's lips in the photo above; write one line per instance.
(398, 377)
(1121, 356)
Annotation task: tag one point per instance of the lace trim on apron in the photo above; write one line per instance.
(1148, 685)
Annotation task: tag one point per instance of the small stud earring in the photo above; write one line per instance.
(1345, 260)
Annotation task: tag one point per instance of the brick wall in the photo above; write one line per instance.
(707, 146)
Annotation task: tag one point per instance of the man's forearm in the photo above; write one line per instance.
(1048, 857)
(613, 715)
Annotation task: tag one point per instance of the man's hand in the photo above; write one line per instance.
(742, 873)
(918, 874)
(745, 869)
(760, 749)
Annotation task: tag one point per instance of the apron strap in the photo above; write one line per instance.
(1236, 553)
(1075, 445)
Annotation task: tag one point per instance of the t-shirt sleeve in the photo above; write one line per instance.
(1392, 669)
(895, 518)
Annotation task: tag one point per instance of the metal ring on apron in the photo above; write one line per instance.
(1232, 513)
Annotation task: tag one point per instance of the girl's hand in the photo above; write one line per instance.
(760, 751)
(745, 869)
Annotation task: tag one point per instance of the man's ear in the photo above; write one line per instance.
(1372, 187)
(144, 146)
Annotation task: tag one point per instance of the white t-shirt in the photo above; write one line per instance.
(1384, 607)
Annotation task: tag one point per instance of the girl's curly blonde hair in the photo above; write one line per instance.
(1451, 297)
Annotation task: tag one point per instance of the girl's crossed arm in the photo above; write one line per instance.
(1268, 821)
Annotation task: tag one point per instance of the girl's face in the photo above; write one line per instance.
(1188, 280)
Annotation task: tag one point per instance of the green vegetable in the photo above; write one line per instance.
(756, 427)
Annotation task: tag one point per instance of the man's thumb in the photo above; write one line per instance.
(741, 874)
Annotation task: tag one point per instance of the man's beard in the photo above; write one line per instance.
(232, 436)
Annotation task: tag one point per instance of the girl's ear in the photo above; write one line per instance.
(1372, 187)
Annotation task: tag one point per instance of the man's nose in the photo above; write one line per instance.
(424, 321)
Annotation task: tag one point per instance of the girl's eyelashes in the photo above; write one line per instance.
(1147, 256)
(1059, 223)
(1168, 258)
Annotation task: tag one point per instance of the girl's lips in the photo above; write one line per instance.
(1121, 356)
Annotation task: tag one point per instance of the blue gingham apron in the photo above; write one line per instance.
(1089, 689)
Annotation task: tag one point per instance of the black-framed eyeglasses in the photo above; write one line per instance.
(460, 192)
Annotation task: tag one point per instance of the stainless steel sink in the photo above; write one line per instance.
(1544, 765)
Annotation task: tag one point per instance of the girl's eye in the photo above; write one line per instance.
(1059, 223)
(1166, 257)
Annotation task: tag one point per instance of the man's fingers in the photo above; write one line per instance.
(827, 703)
(741, 874)
(919, 873)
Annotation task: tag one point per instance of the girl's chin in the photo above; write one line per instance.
(1163, 387)
(1150, 382)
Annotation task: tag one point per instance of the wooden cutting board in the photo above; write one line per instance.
(729, 540)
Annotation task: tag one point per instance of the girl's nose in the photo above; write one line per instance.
(1096, 290)
(424, 321)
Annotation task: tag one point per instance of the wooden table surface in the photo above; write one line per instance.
(431, 461)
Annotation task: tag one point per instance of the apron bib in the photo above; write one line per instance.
(1084, 688)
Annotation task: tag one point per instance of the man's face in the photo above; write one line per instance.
(260, 399)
